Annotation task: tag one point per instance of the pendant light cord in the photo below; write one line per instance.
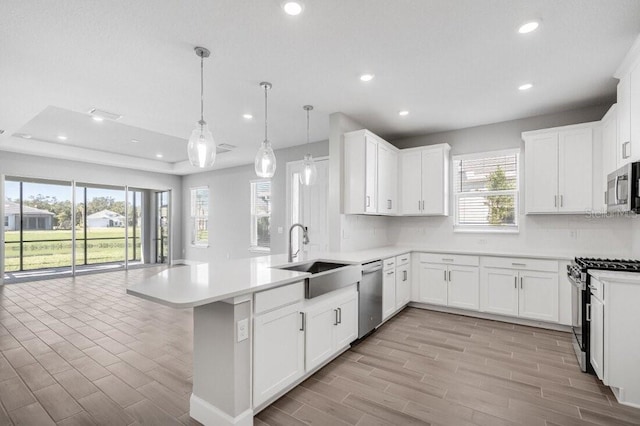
(202, 88)
(266, 106)
(307, 126)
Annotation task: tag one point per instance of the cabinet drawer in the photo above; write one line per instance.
(520, 263)
(454, 259)
(597, 288)
(277, 297)
(403, 259)
(389, 263)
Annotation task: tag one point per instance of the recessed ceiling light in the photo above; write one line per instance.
(247, 116)
(403, 113)
(134, 141)
(159, 155)
(97, 118)
(292, 8)
(367, 77)
(528, 27)
(525, 86)
(100, 115)
(62, 137)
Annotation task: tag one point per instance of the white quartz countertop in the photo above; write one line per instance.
(615, 276)
(187, 286)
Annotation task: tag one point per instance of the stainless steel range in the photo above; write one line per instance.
(578, 273)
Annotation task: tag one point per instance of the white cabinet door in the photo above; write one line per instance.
(388, 293)
(411, 183)
(319, 340)
(499, 291)
(634, 114)
(347, 329)
(371, 171)
(609, 145)
(624, 120)
(538, 297)
(541, 173)
(464, 287)
(434, 200)
(403, 286)
(597, 336)
(278, 352)
(433, 283)
(575, 171)
(387, 180)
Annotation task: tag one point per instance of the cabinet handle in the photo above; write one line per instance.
(626, 153)
(405, 275)
(422, 205)
(368, 201)
(419, 208)
(449, 276)
(389, 204)
(518, 264)
(561, 201)
(404, 259)
(339, 315)
(521, 280)
(336, 312)
(446, 259)
(588, 311)
(302, 321)
(445, 275)
(515, 282)
(390, 273)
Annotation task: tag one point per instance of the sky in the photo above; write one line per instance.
(61, 192)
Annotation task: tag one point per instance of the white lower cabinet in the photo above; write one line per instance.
(506, 289)
(403, 286)
(451, 284)
(278, 351)
(388, 293)
(330, 325)
(597, 336)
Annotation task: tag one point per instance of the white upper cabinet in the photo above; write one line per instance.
(609, 152)
(370, 174)
(424, 181)
(628, 115)
(559, 169)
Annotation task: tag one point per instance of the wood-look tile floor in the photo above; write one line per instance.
(81, 351)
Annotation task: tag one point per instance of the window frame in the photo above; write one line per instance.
(195, 242)
(499, 229)
(253, 237)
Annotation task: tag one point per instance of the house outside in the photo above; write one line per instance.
(34, 219)
(105, 219)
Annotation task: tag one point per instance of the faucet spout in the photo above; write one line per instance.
(305, 238)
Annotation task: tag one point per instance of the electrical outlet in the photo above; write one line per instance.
(280, 229)
(573, 233)
(243, 330)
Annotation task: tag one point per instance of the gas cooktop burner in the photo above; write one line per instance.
(608, 264)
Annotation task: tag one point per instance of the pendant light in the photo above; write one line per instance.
(201, 147)
(265, 162)
(309, 172)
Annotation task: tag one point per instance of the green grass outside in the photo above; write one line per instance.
(40, 255)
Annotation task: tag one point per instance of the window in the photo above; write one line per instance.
(200, 216)
(6, 221)
(261, 215)
(486, 191)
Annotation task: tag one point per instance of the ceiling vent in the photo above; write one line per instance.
(224, 147)
(104, 115)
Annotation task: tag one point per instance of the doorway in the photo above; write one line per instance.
(163, 246)
(308, 205)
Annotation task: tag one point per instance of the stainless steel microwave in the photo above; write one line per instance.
(623, 189)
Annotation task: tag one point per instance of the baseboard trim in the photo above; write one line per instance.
(494, 317)
(210, 415)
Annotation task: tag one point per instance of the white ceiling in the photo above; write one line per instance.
(452, 64)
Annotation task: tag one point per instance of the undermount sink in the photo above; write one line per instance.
(314, 267)
(326, 276)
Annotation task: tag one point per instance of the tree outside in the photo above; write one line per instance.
(501, 207)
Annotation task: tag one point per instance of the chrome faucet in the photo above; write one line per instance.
(305, 239)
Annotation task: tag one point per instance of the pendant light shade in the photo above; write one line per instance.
(309, 173)
(265, 163)
(201, 147)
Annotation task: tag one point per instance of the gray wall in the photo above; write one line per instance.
(29, 166)
(229, 209)
(554, 234)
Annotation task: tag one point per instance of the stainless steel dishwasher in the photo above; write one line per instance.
(370, 298)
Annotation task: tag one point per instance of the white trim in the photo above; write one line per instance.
(482, 229)
(486, 154)
(210, 415)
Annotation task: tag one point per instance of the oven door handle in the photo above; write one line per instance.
(588, 312)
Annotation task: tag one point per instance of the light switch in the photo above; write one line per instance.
(243, 330)
(280, 229)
